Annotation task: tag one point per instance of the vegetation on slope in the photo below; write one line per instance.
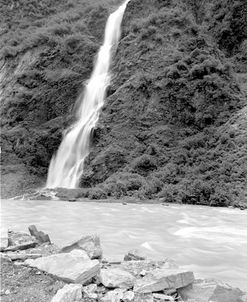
(173, 126)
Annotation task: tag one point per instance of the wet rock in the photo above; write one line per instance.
(135, 255)
(114, 277)
(69, 293)
(90, 244)
(20, 241)
(113, 296)
(90, 291)
(40, 236)
(211, 290)
(73, 267)
(160, 279)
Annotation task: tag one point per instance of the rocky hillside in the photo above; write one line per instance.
(174, 122)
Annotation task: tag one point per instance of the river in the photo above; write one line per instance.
(212, 242)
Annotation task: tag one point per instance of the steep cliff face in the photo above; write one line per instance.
(174, 121)
(166, 129)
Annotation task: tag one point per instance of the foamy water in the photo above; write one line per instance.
(210, 241)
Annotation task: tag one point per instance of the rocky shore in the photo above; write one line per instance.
(34, 269)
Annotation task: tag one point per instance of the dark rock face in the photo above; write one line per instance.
(173, 123)
(164, 123)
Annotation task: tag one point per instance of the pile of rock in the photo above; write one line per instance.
(91, 278)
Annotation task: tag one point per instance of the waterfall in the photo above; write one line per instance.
(66, 166)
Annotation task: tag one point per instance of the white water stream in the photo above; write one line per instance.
(212, 242)
(66, 166)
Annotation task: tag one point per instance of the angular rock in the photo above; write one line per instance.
(115, 277)
(69, 293)
(211, 290)
(20, 239)
(39, 235)
(160, 279)
(129, 296)
(113, 296)
(90, 244)
(90, 290)
(135, 255)
(73, 267)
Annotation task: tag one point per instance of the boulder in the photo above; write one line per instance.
(115, 277)
(69, 293)
(75, 267)
(211, 290)
(20, 241)
(40, 236)
(90, 244)
(135, 255)
(113, 296)
(160, 279)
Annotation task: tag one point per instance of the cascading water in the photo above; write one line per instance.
(66, 166)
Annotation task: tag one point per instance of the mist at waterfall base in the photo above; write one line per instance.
(66, 166)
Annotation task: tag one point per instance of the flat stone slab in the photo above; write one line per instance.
(69, 293)
(160, 279)
(75, 267)
(90, 244)
(115, 277)
(211, 290)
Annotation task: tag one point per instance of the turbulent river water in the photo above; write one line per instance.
(210, 241)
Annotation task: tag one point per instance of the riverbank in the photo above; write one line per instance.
(81, 195)
(196, 237)
(34, 269)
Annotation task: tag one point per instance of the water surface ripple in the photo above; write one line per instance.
(210, 241)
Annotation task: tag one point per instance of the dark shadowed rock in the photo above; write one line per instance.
(90, 244)
(135, 255)
(39, 235)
